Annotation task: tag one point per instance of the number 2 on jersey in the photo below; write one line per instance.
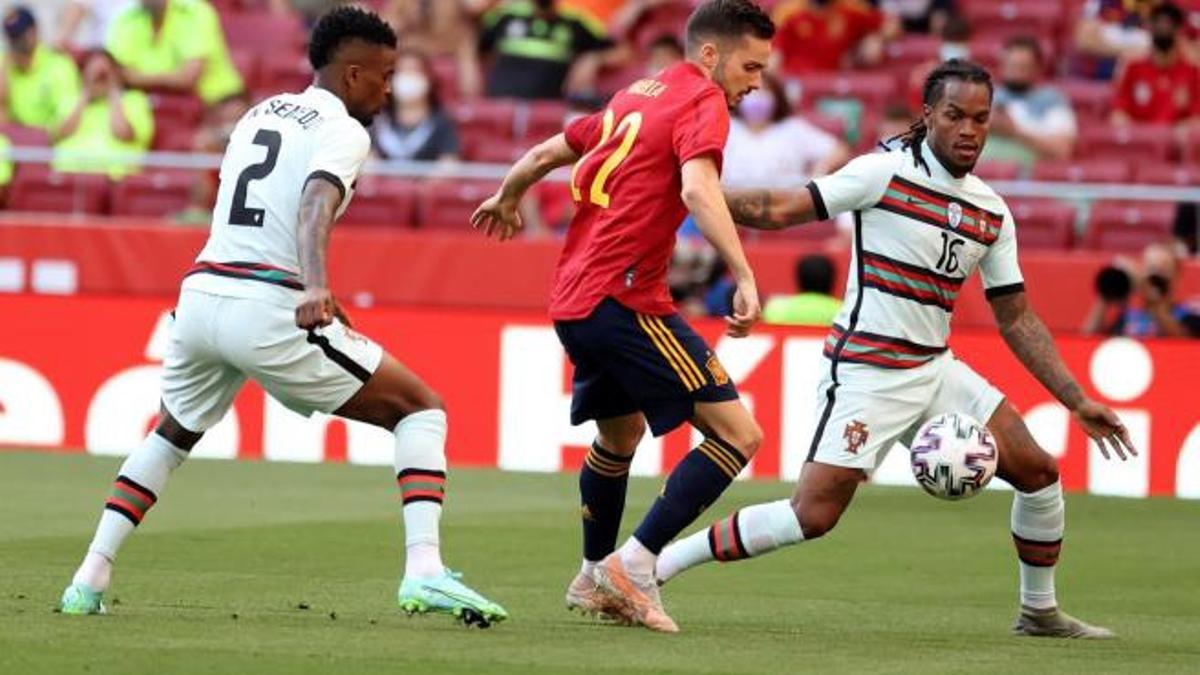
(239, 213)
(630, 125)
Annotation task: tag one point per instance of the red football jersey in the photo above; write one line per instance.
(626, 186)
(1148, 93)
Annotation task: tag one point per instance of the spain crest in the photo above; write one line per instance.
(856, 435)
(720, 377)
(954, 214)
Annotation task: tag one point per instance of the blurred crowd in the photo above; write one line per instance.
(1087, 91)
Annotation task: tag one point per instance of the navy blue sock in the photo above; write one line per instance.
(695, 483)
(602, 484)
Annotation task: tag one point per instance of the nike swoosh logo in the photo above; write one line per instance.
(917, 201)
(457, 598)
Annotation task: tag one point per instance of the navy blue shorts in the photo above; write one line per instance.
(626, 362)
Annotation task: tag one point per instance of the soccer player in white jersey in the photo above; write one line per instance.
(923, 224)
(257, 305)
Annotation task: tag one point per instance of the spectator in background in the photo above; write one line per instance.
(825, 35)
(38, 84)
(1109, 32)
(1160, 315)
(920, 16)
(84, 24)
(1164, 87)
(445, 28)
(536, 46)
(897, 121)
(664, 51)
(955, 38)
(814, 304)
(768, 147)
(109, 122)
(1030, 120)
(174, 46)
(414, 125)
(6, 169)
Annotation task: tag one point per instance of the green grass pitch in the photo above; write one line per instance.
(214, 582)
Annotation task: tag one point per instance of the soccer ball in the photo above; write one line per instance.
(953, 456)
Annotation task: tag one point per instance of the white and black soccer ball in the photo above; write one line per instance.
(953, 456)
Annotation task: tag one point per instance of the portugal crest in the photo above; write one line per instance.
(954, 214)
(856, 436)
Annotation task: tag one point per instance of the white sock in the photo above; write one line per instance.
(586, 567)
(421, 473)
(148, 467)
(1038, 520)
(760, 528)
(637, 559)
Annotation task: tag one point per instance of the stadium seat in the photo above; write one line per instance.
(1091, 100)
(37, 188)
(172, 136)
(445, 78)
(264, 32)
(486, 148)
(1036, 17)
(1128, 226)
(383, 201)
(1185, 175)
(283, 72)
(154, 194)
(987, 47)
(1095, 171)
(1043, 223)
(181, 109)
(444, 204)
(489, 116)
(246, 63)
(541, 120)
(998, 170)
(908, 51)
(873, 89)
(31, 137)
(1126, 142)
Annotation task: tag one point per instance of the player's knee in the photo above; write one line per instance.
(622, 439)
(747, 438)
(429, 399)
(1043, 473)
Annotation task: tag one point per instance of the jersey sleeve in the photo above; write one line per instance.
(999, 267)
(703, 128)
(342, 145)
(582, 130)
(858, 185)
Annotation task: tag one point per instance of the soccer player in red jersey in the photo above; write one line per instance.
(640, 166)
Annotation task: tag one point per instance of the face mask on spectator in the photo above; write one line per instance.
(410, 86)
(1018, 87)
(1164, 43)
(952, 50)
(757, 107)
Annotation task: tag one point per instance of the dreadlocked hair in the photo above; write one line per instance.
(935, 85)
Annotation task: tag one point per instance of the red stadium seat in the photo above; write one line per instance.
(1128, 226)
(383, 201)
(1029, 16)
(264, 32)
(542, 119)
(31, 137)
(491, 116)
(1043, 223)
(911, 50)
(486, 148)
(445, 78)
(988, 47)
(448, 205)
(153, 194)
(37, 188)
(246, 63)
(172, 136)
(1095, 171)
(1129, 143)
(998, 170)
(1089, 98)
(873, 89)
(283, 72)
(1186, 175)
(181, 109)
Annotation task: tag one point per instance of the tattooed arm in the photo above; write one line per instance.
(1031, 342)
(770, 209)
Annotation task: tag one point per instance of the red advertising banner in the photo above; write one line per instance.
(82, 374)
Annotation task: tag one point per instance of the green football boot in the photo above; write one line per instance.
(446, 594)
(79, 599)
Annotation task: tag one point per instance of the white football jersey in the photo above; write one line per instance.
(918, 236)
(275, 149)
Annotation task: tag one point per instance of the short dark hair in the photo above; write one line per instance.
(342, 24)
(956, 29)
(1168, 10)
(814, 274)
(727, 19)
(1026, 42)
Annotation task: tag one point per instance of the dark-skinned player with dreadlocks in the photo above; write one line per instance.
(923, 224)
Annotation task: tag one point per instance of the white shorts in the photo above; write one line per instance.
(870, 409)
(216, 342)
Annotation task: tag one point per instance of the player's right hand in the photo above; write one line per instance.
(316, 309)
(497, 216)
(746, 310)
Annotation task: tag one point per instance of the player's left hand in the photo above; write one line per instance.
(497, 216)
(1104, 427)
(746, 310)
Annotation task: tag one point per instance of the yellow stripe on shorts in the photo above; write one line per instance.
(688, 381)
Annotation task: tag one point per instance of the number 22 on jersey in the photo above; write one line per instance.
(628, 129)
